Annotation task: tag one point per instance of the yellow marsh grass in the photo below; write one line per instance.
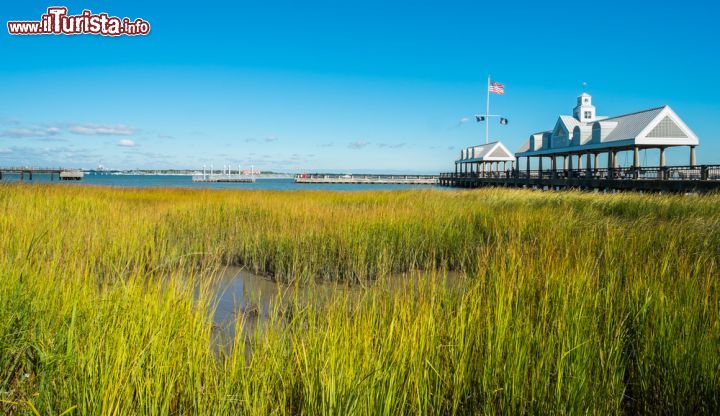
(567, 302)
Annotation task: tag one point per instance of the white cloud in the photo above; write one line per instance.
(47, 131)
(30, 132)
(5, 150)
(102, 129)
(358, 144)
(126, 143)
(391, 146)
(271, 139)
(460, 122)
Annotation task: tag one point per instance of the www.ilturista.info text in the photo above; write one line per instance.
(57, 22)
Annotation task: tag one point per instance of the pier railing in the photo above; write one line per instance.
(668, 173)
(360, 176)
(339, 178)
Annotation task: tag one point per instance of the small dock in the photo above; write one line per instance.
(366, 179)
(60, 173)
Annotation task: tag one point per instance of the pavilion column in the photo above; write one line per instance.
(636, 162)
(588, 163)
(662, 157)
(692, 156)
(579, 165)
(570, 162)
(596, 162)
(611, 164)
(527, 166)
(636, 157)
(553, 166)
(540, 167)
(615, 160)
(456, 168)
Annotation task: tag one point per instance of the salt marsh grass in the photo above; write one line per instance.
(558, 302)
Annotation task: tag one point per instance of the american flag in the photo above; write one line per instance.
(496, 87)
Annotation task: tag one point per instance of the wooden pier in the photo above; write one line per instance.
(336, 178)
(682, 179)
(223, 178)
(62, 174)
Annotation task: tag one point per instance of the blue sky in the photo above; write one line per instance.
(343, 85)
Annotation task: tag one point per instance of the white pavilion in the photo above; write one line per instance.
(587, 134)
(485, 159)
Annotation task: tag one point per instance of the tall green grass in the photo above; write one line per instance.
(557, 302)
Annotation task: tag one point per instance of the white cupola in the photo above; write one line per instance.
(584, 110)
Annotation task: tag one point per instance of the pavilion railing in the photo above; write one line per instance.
(668, 173)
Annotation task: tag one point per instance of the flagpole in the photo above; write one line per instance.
(487, 113)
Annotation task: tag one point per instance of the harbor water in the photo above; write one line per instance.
(185, 181)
